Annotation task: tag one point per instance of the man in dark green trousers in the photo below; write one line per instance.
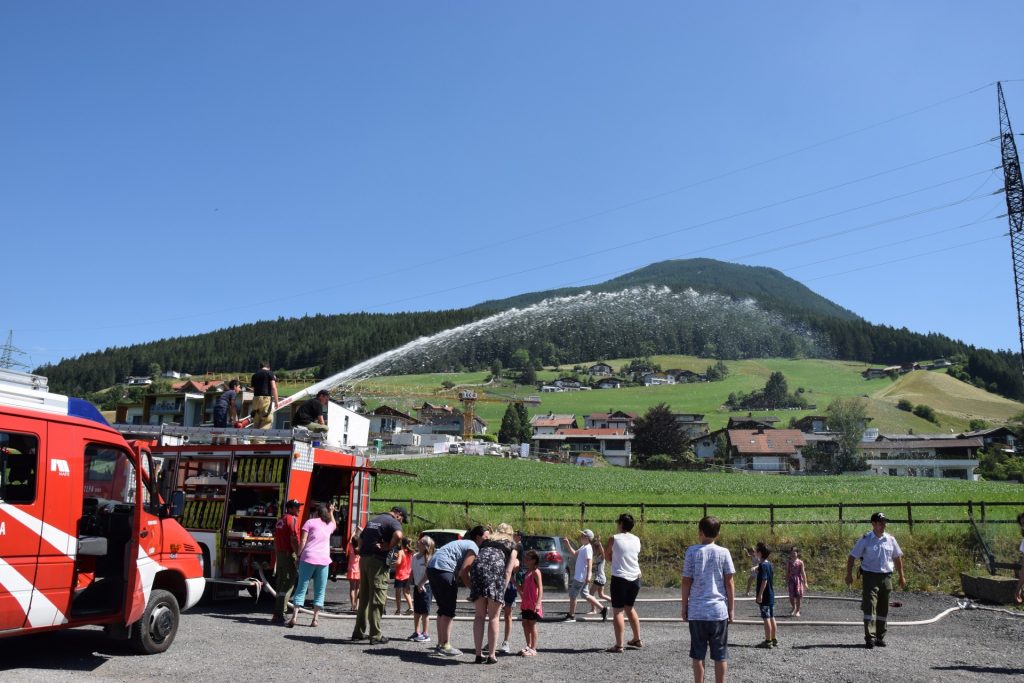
(879, 554)
(381, 534)
(286, 552)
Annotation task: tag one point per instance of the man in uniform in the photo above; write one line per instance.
(286, 551)
(381, 534)
(879, 554)
(311, 413)
(264, 389)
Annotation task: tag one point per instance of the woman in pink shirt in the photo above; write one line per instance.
(314, 558)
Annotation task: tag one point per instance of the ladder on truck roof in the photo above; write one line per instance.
(25, 390)
(209, 434)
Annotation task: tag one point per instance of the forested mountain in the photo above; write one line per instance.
(733, 311)
(769, 287)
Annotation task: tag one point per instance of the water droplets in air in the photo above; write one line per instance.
(595, 325)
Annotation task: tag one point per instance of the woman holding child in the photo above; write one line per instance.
(489, 577)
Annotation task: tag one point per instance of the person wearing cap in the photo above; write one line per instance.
(311, 413)
(879, 554)
(381, 534)
(286, 552)
(582, 572)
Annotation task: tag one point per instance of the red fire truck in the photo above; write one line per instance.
(84, 537)
(235, 483)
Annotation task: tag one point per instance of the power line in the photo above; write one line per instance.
(908, 258)
(932, 233)
(631, 243)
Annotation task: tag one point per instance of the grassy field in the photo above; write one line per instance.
(938, 552)
(822, 380)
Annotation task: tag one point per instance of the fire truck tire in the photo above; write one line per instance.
(155, 632)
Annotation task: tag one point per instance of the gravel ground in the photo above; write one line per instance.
(232, 641)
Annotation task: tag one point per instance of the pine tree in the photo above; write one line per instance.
(525, 431)
(511, 426)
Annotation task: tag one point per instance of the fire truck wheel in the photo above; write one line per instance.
(155, 632)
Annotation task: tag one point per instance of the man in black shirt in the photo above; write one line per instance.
(264, 389)
(382, 533)
(311, 413)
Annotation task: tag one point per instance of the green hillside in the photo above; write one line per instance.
(822, 381)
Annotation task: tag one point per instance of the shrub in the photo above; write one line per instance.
(659, 462)
(906, 405)
(926, 412)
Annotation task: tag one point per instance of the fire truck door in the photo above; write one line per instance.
(22, 443)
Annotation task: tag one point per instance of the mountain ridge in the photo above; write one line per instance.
(805, 324)
(770, 287)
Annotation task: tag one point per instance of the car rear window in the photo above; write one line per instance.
(539, 543)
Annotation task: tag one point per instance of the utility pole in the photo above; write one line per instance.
(7, 352)
(1014, 190)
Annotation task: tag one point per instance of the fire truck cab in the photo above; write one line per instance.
(84, 536)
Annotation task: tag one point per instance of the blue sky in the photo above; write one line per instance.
(173, 168)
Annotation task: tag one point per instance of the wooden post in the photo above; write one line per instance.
(466, 506)
(910, 516)
(524, 513)
(705, 509)
(643, 513)
(771, 514)
(982, 511)
(840, 513)
(583, 513)
(970, 509)
(412, 508)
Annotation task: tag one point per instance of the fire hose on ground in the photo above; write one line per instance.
(963, 604)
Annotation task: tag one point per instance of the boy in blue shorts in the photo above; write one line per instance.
(708, 599)
(766, 596)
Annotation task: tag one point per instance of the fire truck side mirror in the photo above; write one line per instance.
(177, 506)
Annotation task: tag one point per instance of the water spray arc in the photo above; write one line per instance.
(1014, 190)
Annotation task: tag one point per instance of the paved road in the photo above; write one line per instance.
(233, 642)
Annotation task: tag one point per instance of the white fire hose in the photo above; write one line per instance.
(964, 604)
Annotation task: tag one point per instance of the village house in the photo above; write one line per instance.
(991, 435)
(133, 381)
(610, 383)
(550, 423)
(567, 383)
(687, 376)
(386, 421)
(599, 370)
(706, 445)
(653, 379)
(945, 458)
(614, 445)
(751, 422)
(445, 420)
(766, 450)
(809, 424)
(693, 424)
(610, 420)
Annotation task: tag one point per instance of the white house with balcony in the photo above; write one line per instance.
(939, 458)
